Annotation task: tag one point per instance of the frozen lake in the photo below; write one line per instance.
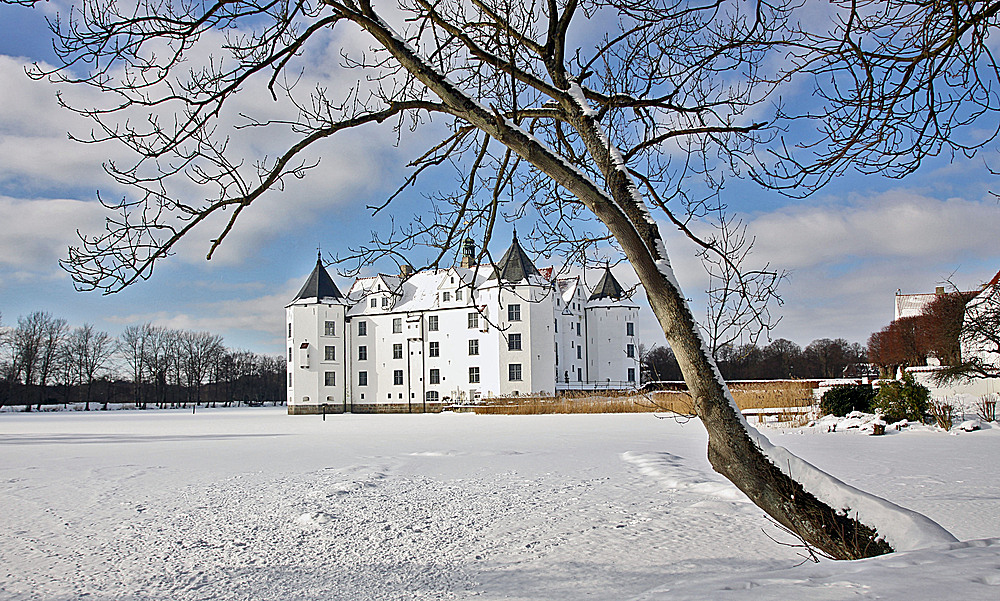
(254, 504)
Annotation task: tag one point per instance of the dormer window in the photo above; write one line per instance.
(446, 296)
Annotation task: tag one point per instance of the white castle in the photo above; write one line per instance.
(419, 341)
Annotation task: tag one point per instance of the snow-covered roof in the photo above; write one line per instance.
(515, 265)
(608, 287)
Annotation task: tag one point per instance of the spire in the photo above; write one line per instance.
(608, 287)
(319, 285)
(515, 264)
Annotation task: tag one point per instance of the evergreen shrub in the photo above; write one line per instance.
(842, 399)
(898, 400)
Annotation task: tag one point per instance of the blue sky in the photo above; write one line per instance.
(848, 248)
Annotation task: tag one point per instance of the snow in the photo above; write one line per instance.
(250, 503)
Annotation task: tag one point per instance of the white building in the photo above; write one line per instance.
(418, 341)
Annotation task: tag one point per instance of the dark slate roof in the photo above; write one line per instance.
(319, 285)
(608, 287)
(515, 264)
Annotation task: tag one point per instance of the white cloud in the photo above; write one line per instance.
(35, 233)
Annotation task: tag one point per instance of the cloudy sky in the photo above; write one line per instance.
(847, 249)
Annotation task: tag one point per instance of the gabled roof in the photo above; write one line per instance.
(515, 264)
(319, 285)
(608, 287)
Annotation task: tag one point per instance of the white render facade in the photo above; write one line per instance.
(418, 342)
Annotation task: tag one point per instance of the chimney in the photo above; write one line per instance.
(468, 253)
(939, 290)
(405, 271)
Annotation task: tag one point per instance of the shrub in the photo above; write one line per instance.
(841, 400)
(943, 413)
(898, 400)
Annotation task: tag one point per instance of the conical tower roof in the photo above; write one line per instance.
(515, 264)
(608, 287)
(319, 285)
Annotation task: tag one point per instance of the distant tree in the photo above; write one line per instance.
(979, 337)
(943, 319)
(133, 346)
(905, 342)
(199, 352)
(782, 359)
(660, 364)
(826, 358)
(88, 352)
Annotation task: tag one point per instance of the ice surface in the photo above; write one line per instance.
(254, 504)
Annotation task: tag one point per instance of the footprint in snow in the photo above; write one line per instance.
(673, 471)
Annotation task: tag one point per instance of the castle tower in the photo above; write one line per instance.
(612, 341)
(316, 340)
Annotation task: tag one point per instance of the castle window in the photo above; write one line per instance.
(432, 323)
(514, 312)
(579, 374)
(397, 377)
(473, 347)
(473, 321)
(579, 352)
(514, 372)
(514, 342)
(630, 351)
(362, 379)
(629, 328)
(289, 330)
(397, 325)
(446, 296)
(434, 349)
(362, 353)
(458, 295)
(473, 375)
(374, 303)
(362, 328)
(435, 376)
(432, 396)
(289, 380)
(385, 302)
(631, 374)
(329, 378)
(329, 328)
(577, 328)
(289, 355)
(329, 353)
(397, 351)
(557, 353)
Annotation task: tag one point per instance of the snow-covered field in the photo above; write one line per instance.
(254, 504)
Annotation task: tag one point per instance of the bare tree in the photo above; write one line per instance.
(979, 336)
(88, 352)
(199, 352)
(133, 348)
(651, 112)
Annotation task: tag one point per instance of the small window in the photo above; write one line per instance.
(362, 378)
(513, 312)
(473, 321)
(432, 323)
(446, 297)
(329, 378)
(289, 330)
(630, 351)
(629, 328)
(557, 325)
(362, 353)
(374, 303)
(514, 342)
(577, 328)
(432, 396)
(579, 352)
(579, 374)
(329, 353)
(514, 372)
(397, 377)
(458, 295)
(329, 328)
(385, 302)
(631, 374)
(289, 355)
(434, 376)
(473, 375)
(433, 349)
(557, 356)
(473, 347)
(362, 328)
(397, 351)
(289, 380)
(397, 325)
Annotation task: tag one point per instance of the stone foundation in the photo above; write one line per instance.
(333, 409)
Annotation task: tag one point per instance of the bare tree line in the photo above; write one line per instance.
(45, 361)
